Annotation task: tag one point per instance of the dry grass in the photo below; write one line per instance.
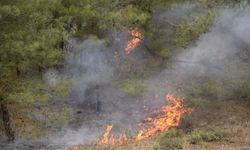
(231, 117)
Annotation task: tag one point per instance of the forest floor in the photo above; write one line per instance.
(231, 117)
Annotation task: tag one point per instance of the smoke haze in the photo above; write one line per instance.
(92, 68)
(212, 55)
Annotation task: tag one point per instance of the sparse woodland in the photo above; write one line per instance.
(196, 49)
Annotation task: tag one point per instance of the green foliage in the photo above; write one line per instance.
(180, 33)
(36, 132)
(165, 52)
(29, 46)
(62, 88)
(125, 17)
(156, 146)
(172, 133)
(28, 92)
(10, 11)
(210, 135)
(58, 117)
(123, 14)
(171, 140)
(149, 5)
(244, 89)
(133, 87)
(189, 31)
(31, 91)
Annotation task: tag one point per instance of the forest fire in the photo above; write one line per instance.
(135, 41)
(106, 138)
(167, 117)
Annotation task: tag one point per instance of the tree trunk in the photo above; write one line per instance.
(6, 121)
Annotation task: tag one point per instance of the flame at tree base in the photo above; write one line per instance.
(167, 117)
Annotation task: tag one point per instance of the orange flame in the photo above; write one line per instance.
(75, 148)
(110, 139)
(134, 42)
(167, 117)
(106, 138)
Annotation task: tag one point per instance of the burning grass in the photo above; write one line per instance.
(218, 133)
(162, 120)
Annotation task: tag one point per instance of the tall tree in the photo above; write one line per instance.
(30, 34)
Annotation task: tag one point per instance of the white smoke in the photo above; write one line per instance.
(216, 51)
(90, 63)
(211, 55)
(51, 76)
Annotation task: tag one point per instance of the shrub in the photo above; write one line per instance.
(172, 133)
(171, 140)
(198, 136)
(156, 146)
